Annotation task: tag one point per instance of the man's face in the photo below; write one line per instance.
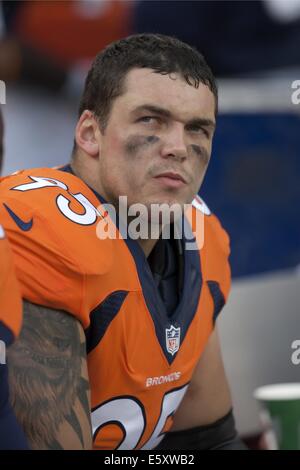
(157, 143)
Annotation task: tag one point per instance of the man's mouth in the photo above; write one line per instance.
(171, 179)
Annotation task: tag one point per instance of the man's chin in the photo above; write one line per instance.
(164, 212)
(155, 211)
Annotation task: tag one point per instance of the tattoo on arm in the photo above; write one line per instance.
(49, 385)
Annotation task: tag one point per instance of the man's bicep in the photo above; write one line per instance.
(49, 385)
(208, 396)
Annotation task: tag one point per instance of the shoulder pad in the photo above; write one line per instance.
(214, 246)
(51, 218)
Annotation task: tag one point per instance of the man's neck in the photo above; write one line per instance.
(147, 245)
(90, 178)
(86, 172)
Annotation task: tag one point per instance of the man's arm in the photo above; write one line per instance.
(204, 419)
(48, 380)
(208, 397)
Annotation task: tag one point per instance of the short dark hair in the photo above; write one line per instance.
(163, 54)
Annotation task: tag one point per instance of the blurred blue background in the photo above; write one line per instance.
(253, 185)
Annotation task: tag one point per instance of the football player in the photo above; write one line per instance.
(11, 435)
(144, 308)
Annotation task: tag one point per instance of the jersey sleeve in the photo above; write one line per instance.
(46, 273)
(53, 255)
(10, 299)
(218, 252)
(214, 244)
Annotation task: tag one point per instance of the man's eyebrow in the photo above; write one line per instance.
(151, 108)
(202, 122)
(197, 121)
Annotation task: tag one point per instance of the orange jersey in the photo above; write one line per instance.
(10, 299)
(140, 360)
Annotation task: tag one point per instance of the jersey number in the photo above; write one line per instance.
(90, 211)
(129, 414)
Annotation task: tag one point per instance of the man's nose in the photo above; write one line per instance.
(174, 143)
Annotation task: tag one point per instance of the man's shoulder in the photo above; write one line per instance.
(50, 218)
(208, 230)
(39, 184)
(213, 244)
(52, 211)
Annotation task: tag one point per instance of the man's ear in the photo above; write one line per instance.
(87, 134)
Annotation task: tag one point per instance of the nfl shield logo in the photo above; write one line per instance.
(172, 339)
